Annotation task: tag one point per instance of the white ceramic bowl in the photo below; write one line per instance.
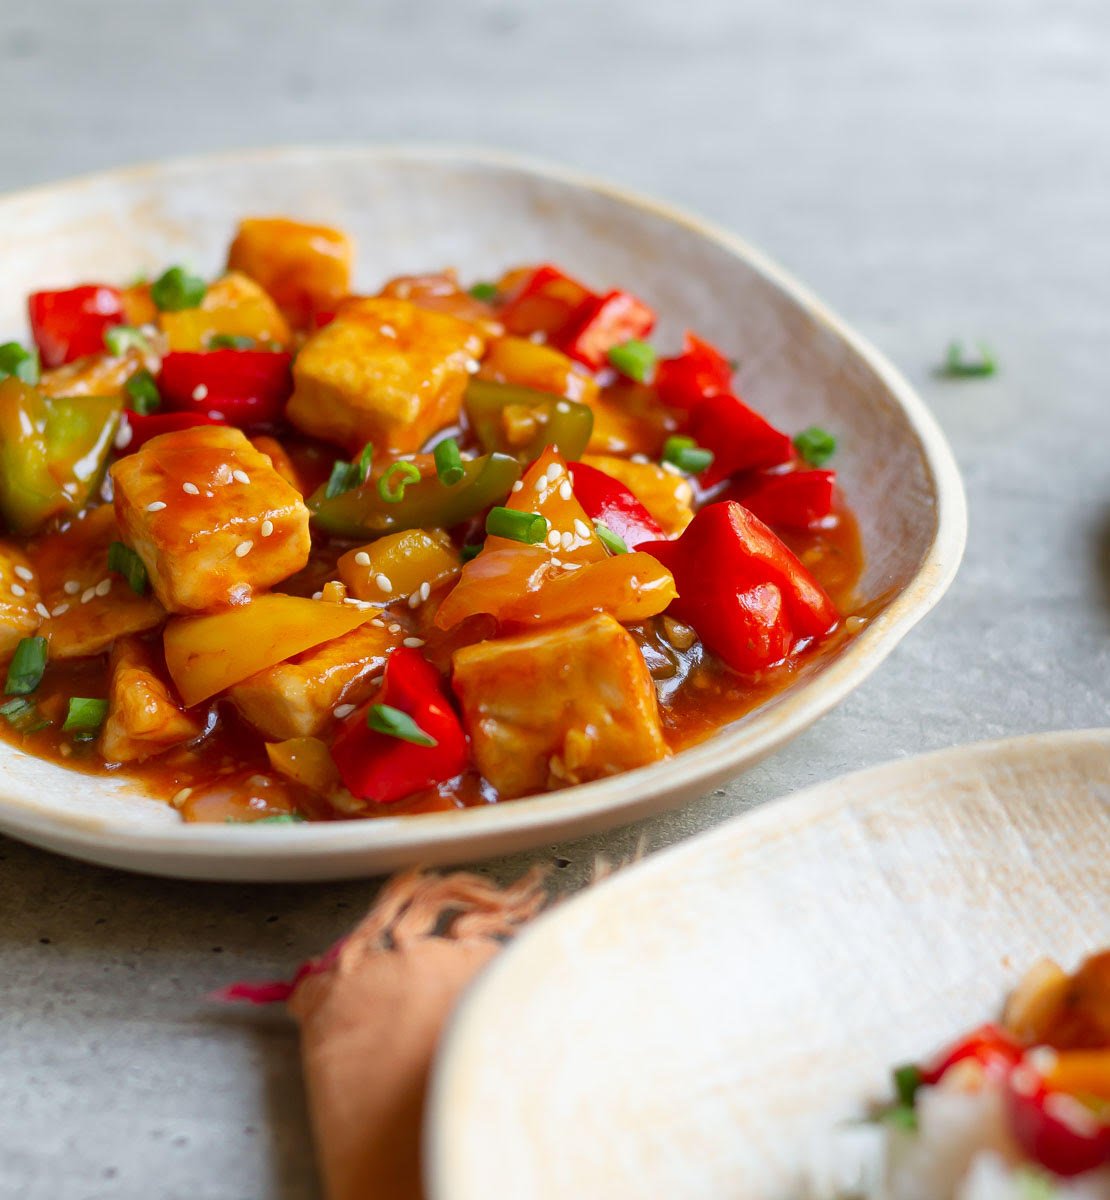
(426, 208)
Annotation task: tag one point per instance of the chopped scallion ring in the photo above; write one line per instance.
(958, 367)
(176, 289)
(23, 715)
(815, 445)
(687, 455)
(124, 561)
(84, 717)
(404, 473)
(143, 393)
(230, 341)
(527, 527)
(384, 718)
(449, 465)
(18, 361)
(486, 292)
(611, 541)
(26, 669)
(634, 358)
(121, 338)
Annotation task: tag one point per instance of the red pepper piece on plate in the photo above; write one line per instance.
(699, 372)
(993, 1048)
(71, 324)
(746, 594)
(790, 500)
(244, 387)
(544, 303)
(136, 429)
(383, 768)
(1056, 1130)
(741, 440)
(602, 323)
(607, 500)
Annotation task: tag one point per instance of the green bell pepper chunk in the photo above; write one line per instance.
(53, 451)
(564, 424)
(427, 504)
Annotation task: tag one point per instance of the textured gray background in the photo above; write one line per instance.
(931, 169)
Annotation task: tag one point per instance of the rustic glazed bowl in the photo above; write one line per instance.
(426, 208)
(708, 1023)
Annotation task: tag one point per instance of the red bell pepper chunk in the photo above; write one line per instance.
(607, 500)
(136, 429)
(741, 440)
(988, 1045)
(244, 387)
(380, 768)
(699, 372)
(602, 323)
(71, 324)
(794, 500)
(746, 594)
(545, 303)
(1056, 1130)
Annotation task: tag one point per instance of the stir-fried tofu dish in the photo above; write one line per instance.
(279, 550)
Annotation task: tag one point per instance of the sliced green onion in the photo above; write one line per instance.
(230, 341)
(686, 454)
(815, 445)
(346, 476)
(471, 550)
(901, 1116)
(17, 360)
(124, 561)
(958, 367)
(280, 819)
(121, 338)
(23, 715)
(143, 393)
(486, 292)
(365, 461)
(176, 289)
(26, 669)
(384, 718)
(404, 473)
(907, 1079)
(449, 466)
(525, 527)
(634, 358)
(611, 541)
(84, 717)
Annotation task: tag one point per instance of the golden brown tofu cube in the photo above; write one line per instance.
(88, 606)
(144, 719)
(209, 516)
(564, 705)
(298, 698)
(234, 306)
(384, 371)
(305, 268)
(19, 594)
(667, 495)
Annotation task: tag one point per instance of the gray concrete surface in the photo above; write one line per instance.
(932, 169)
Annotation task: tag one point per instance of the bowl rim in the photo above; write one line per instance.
(609, 802)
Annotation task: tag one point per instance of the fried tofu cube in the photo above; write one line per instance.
(235, 306)
(564, 705)
(88, 606)
(298, 698)
(210, 517)
(305, 268)
(19, 594)
(144, 719)
(384, 371)
(667, 495)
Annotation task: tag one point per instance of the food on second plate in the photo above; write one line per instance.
(282, 550)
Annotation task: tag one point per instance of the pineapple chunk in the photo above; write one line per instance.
(522, 362)
(19, 593)
(561, 706)
(233, 305)
(297, 698)
(143, 717)
(384, 371)
(306, 268)
(409, 565)
(209, 516)
(667, 495)
(89, 607)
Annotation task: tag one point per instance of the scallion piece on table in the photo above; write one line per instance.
(26, 669)
(124, 561)
(84, 717)
(17, 360)
(230, 341)
(815, 445)
(384, 718)
(956, 366)
(143, 393)
(449, 465)
(486, 292)
(397, 477)
(176, 289)
(121, 338)
(528, 527)
(686, 454)
(634, 358)
(611, 541)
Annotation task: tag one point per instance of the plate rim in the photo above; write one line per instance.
(637, 792)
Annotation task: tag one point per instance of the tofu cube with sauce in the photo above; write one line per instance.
(210, 517)
(19, 594)
(298, 698)
(384, 371)
(564, 705)
(143, 719)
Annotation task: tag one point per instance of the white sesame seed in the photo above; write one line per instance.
(342, 710)
(568, 540)
(377, 622)
(59, 609)
(414, 600)
(539, 337)
(562, 407)
(240, 475)
(71, 587)
(518, 486)
(639, 458)
(191, 489)
(25, 573)
(581, 528)
(384, 582)
(18, 589)
(541, 484)
(267, 528)
(181, 796)
(317, 595)
(200, 392)
(670, 468)
(412, 642)
(472, 365)
(42, 610)
(243, 549)
(156, 506)
(362, 558)
(554, 471)
(553, 539)
(70, 489)
(87, 595)
(395, 629)
(103, 587)
(123, 436)
(425, 590)
(565, 490)
(387, 331)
